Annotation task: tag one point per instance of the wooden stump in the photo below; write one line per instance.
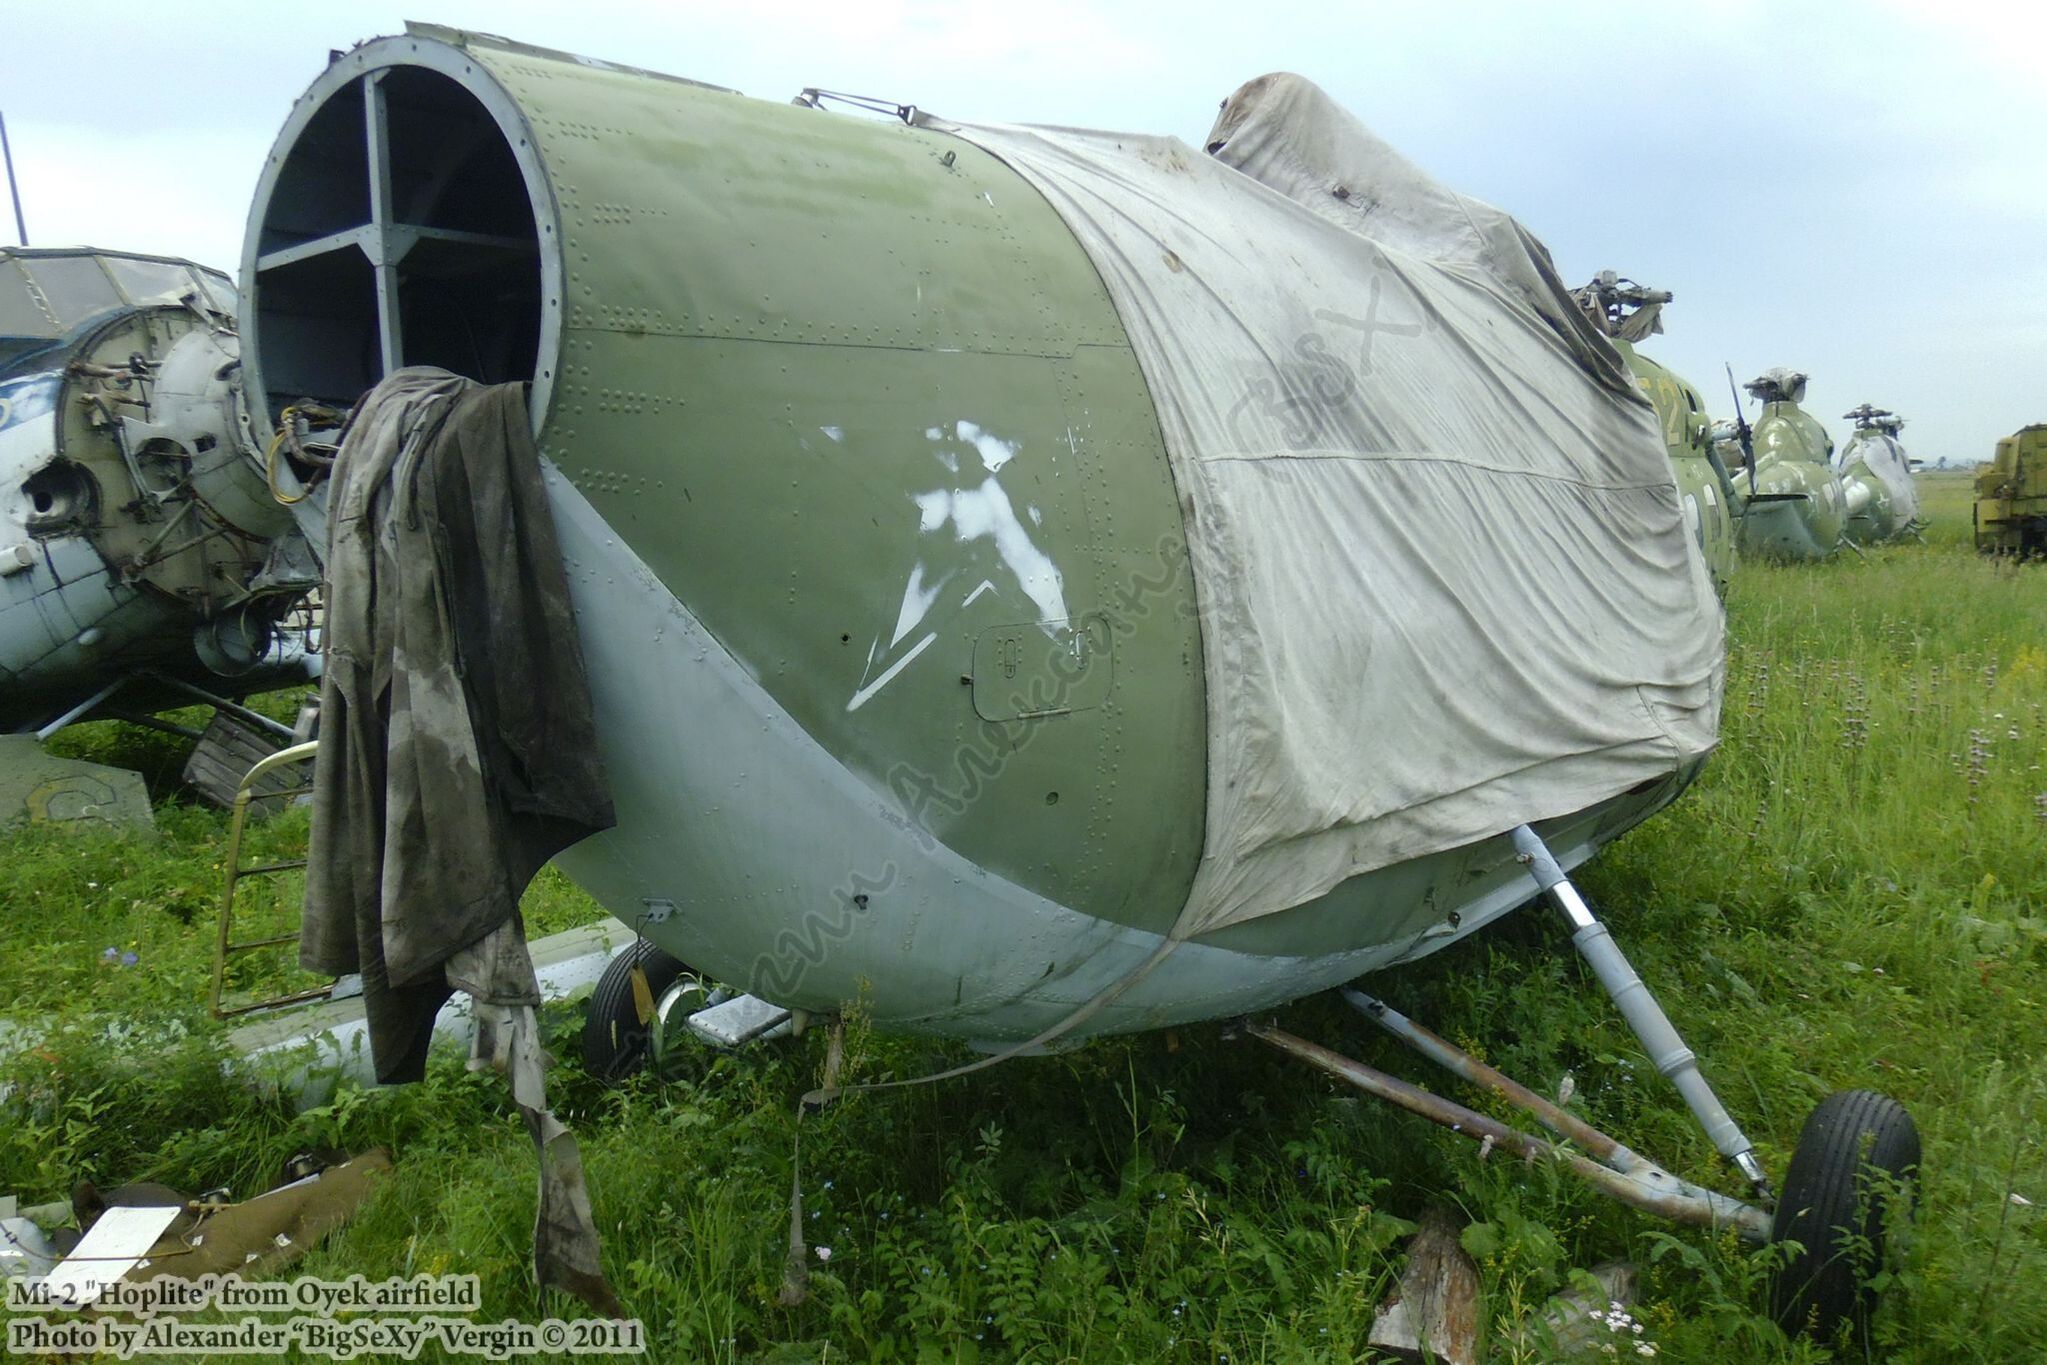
(1435, 1306)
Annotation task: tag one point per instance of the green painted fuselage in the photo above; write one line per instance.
(1709, 497)
(1801, 509)
(877, 556)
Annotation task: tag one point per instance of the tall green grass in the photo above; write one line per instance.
(1853, 895)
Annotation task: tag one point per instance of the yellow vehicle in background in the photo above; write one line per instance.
(2011, 495)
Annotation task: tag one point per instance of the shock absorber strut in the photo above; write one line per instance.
(1659, 1036)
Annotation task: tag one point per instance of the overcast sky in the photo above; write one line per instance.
(1855, 190)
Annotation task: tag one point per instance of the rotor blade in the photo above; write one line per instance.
(1748, 446)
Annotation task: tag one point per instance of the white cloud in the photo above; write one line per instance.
(157, 190)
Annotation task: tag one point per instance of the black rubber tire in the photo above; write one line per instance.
(1834, 1211)
(614, 1040)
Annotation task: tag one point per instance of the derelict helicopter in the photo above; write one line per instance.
(1801, 508)
(1629, 313)
(1008, 597)
(1876, 475)
(147, 557)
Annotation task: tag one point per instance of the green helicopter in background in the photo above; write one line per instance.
(1794, 506)
(1876, 474)
(1627, 312)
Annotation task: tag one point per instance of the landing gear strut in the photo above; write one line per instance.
(1856, 1153)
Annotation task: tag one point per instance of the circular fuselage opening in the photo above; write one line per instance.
(396, 225)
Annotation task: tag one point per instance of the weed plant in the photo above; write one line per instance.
(1853, 895)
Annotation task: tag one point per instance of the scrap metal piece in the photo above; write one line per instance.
(226, 752)
(308, 1053)
(737, 1021)
(111, 1247)
(263, 1234)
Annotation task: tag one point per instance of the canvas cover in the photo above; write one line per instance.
(1885, 456)
(1640, 325)
(1779, 385)
(1445, 584)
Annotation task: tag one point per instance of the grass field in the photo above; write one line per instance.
(1854, 895)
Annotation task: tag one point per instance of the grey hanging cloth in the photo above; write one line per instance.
(457, 752)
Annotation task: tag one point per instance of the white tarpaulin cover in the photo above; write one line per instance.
(1445, 584)
(1885, 455)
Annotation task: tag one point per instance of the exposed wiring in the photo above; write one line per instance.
(318, 454)
(270, 471)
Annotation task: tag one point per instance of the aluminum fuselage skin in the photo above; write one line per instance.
(130, 514)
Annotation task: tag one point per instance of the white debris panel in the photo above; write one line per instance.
(1445, 583)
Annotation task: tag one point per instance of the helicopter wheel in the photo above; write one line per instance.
(615, 1043)
(1855, 1148)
